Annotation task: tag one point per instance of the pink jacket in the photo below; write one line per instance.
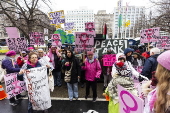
(92, 70)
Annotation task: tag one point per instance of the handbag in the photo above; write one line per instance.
(67, 77)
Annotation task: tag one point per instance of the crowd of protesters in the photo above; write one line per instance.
(88, 68)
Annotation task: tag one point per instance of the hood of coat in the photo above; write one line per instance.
(127, 50)
(119, 55)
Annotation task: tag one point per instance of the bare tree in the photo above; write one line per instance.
(25, 15)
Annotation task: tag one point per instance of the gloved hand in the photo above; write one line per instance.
(143, 77)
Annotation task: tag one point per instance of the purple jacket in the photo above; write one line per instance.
(7, 64)
(92, 70)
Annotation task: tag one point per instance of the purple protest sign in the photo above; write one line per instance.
(128, 102)
(36, 38)
(109, 59)
(14, 86)
(12, 32)
(16, 44)
(149, 35)
(56, 40)
(84, 41)
(56, 17)
(163, 42)
(69, 26)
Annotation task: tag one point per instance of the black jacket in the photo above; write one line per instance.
(76, 69)
(150, 66)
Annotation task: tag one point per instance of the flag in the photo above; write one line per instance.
(104, 31)
(120, 20)
(126, 24)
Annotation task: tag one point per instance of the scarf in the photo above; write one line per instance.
(91, 61)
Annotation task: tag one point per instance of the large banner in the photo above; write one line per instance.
(116, 45)
(84, 41)
(36, 38)
(163, 42)
(149, 35)
(38, 88)
(57, 17)
(12, 32)
(13, 86)
(109, 59)
(129, 103)
(16, 44)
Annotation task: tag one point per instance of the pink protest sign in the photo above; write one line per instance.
(84, 41)
(128, 102)
(163, 42)
(12, 32)
(90, 26)
(36, 38)
(149, 35)
(109, 59)
(56, 40)
(16, 44)
(138, 68)
(14, 86)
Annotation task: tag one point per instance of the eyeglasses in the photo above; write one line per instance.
(33, 57)
(40, 52)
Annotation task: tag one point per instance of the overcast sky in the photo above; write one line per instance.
(96, 5)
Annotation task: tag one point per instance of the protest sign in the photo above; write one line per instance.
(149, 35)
(45, 60)
(36, 38)
(116, 45)
(56, 40)
(38, 88)
(109, 59)
(90, 27)
(84, 41)
(57, 17)
(16, 44)
(12, 32)
(129, 103)
(69, 26)
(13, 85)
(163, 42)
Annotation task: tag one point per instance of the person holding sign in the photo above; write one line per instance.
(31, 63)
(122, 72)
(92, 73)
(22, 59)
(9, 64)
(158, 99)
(72, 74)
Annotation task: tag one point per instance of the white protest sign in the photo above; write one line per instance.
(45, 60)
(128, 102)
(38, 88)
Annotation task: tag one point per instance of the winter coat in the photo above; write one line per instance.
(128, 58)
(150, 66)
(138, 62)
(20, 62)
(146, 55)
(92, 70)
(27, 66)
(9, 66)
(76, 69)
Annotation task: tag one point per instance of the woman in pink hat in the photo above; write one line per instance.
(159, 98)
(92, 73)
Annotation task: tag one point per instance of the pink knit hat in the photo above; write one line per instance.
(10, 53)
(90, 53)
(164, 59)
(30, 48)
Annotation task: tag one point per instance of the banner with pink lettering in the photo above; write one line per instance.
(56, 40)
(13, 85)
(149, 35)
(84, 41)
(12, 32)
(163, 42)
(17, 44)
(109, 59)
(129, 103)
(36, 38)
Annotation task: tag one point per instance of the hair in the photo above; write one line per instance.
(155, 51)
(30, 54)
(163, 99)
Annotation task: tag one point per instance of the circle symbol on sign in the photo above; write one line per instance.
(128, 109)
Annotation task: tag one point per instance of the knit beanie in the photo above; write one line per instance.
(164, 59)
